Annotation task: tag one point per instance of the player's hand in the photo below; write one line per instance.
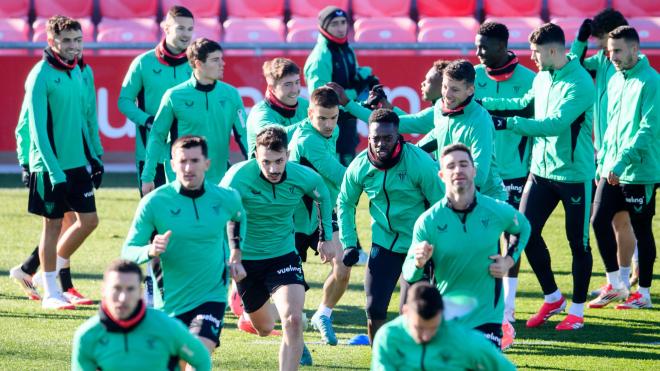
(423, 252)
(159, 244)
(585, 30)
(326, 251)
(613, 179)
(147, 187)
(25, 175)
(343, 98)
(500, 266)
(97, 174)
(60, 191)
(236, 269)
(149, 123)
(351, 256)
(499, 122)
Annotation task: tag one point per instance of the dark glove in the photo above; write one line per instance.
(499, 122)
(585, 30)
(149, 123)
(97, 174)
(25, 175)
(376, 97)
(59, 192)
(351, 256)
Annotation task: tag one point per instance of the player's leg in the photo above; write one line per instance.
(255, 296)
(625, 241)
(289, 300)
(607, 203)
(205, 322)
(576, 199)
(538, 201)
(510, 281)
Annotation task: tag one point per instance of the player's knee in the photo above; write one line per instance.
(90, 222)
(264, 329)
(292, 323)
(376, 311)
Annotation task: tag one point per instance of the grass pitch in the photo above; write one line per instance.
(33, 339)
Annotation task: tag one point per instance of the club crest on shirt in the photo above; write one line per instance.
(485, 222)
(402, 175)
(292, 189)
(216, 209)
(516, 89)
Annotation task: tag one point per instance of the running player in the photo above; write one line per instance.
(629, 163)
(600, 66)
(24, 273)
(271, 188)
(460, 234)
(188, 217)
(203, 106)
(59, 181)
(313, 145)
(500, 75)
(127, 335)
(562, 165)
(421, 339)
(399, 180)
(283, 105)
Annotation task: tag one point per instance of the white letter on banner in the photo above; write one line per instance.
(104, 124)
(251, 93)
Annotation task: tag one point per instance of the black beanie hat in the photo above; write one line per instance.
(328, 14)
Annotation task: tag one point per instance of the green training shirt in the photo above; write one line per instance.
(397, 197)
(270, 206)
(212, 111)
(195, 262)
(454, 347)
(144, 85)
(462, 243)
(264, 114)
(148, 346)
(562, 148)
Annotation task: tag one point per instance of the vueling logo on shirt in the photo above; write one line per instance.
(637, 202)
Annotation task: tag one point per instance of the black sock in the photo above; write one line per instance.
(65, 279)
(31, 264)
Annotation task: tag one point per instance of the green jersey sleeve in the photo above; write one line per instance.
(22, 133)
(157, 142)
(136, 246)
(323, 161)
(130, 89)
(81, 359)
(579, 48)
(509, 104)
(382, 356)
(316, 189)
(318, 68)
(239, 125)
(349, 196)
(410, 272)
(90, 112)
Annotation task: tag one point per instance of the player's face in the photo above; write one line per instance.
(68, 44)
(383, 137)
(338, 27)
(190, 165)
(455, 92)
(213, 68)
(324, 120)
(622, 54)
(271, 163)
(121, 293)
(431, 87)
(179, 32)
(489, 50)
(457, 171)
(287, 89)
(423, 330)
(542, 56)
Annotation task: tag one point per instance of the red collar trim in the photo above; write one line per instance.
(162, 52)
(503, 73)
(62, 64)
(272, 99)
(447, 111)
(125, 323)
(336, 40)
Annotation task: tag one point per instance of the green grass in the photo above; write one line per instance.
(32, 339)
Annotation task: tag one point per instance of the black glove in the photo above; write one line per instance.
(149, 123)
(25, 175)
(97, 174)
(499, 122)
(378, 95)
(351, 256)
(585, 30)
(59, 192)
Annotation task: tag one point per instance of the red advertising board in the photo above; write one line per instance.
(401, 74)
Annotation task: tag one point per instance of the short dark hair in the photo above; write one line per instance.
(494, 30)
(460, 70)
(180, 11)
(200, 49)
(440, 65)
(124, 266)
(277, 68)
(547, 33)
(384, 115)
(273, 138)
(324, 97)
(425, 300)
(191, 141)
(606, 21)
(58, 23)
(457, 147)
(627, 33)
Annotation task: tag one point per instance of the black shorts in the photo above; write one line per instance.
(514, 188)
(79, 194)
(265, 276)
(636, 199)
(492, 332)
(307, 241)
(159, 179)
(206, 320)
